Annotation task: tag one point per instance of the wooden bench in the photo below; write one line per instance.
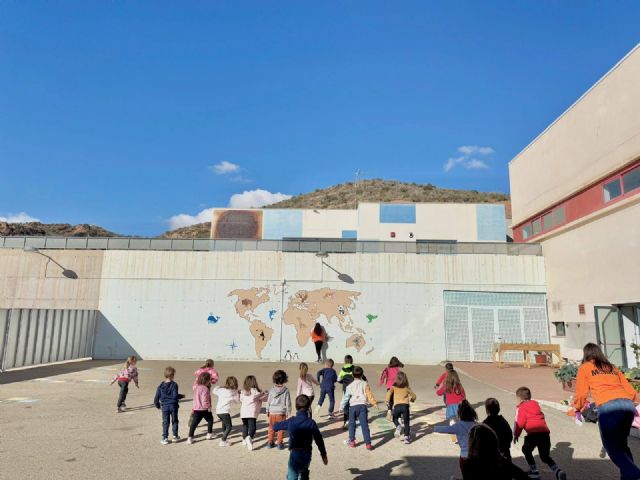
(526, 348)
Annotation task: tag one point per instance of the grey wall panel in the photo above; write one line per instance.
(40, 336)
(4, 331)
(48, 336)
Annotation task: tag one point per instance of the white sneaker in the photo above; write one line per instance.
(398, 431)
(176, 438)
(249, 444)
(164, 441)
(209, 436)
(120, 410)
(190, 441)
(224, 443)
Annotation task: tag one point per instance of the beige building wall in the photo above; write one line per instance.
(598, 134)
(595, 264)
(328, 223)
(434, 221)
(31, 280)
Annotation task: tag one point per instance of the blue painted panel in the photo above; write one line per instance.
(349, 234)
(397, 213)
(277, 224)
(491, 224)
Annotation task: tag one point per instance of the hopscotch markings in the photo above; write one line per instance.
(8, 401)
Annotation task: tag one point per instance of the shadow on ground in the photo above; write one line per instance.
(52, 370)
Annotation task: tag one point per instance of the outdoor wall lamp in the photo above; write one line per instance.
(65, 271)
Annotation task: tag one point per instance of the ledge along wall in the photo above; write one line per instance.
(257, 305)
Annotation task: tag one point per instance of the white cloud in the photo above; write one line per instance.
(185, 220)
(467, 159)
(475, 150)
(475, 164)
(452, 163)
(225, 167)
(247, 199)
(21, 217)
(256, 198)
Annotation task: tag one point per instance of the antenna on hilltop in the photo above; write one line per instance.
(358, 172)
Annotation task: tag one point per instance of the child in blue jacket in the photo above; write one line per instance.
(302, 432)
(167, 398)
(327, 377)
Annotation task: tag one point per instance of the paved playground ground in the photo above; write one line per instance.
(59, 422)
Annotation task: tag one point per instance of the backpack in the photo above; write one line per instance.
(590, 414)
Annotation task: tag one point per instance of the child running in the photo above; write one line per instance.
(454, 394)
(201, 406)
(403, 395)
(210, 369)
(345, 377)
(227, 395)
(388, 378)
(251, 398)
(467, 419)
(302, 431)
(327, 378)
(167, 398)
(356, 397)
(207, 367)
(306, 382)
(529, 417)
(278, 407)
(128, 373)
(485, 462)
(448, 367)
(499, 425)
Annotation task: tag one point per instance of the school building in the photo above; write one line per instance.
(576, 190)
(391, 222)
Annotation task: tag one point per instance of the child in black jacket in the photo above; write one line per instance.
(500, 426)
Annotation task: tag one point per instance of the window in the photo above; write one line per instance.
(631, 180)
(560, 329)
(526, 231)
(612, 190)
(547, 221)
(537, 226)
(559, 216)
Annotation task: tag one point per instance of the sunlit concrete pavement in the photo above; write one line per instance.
(60, 422)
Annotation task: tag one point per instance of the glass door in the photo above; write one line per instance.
(611, 335)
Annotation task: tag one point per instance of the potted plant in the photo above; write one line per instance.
(541, 358)
(567, 376)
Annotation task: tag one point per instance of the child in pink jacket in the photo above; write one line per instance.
(251, 398)
(388, 378)
(207, 367)
(201, 406)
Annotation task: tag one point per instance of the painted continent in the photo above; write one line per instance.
(249, 300)
(356, 341)
(306, 307)
(261, 334)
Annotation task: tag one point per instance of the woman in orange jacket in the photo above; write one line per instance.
(614, 397)
(318, 337)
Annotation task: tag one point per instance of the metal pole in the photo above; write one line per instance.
(284, 282)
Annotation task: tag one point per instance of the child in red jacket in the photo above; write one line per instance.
(529, 417)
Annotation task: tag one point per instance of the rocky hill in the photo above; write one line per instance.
(343, 196)
(53, 229)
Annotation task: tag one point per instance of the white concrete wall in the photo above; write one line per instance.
(157, 303)
(31, 280)
(597, 135)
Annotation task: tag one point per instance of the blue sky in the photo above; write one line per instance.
(117, 113)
